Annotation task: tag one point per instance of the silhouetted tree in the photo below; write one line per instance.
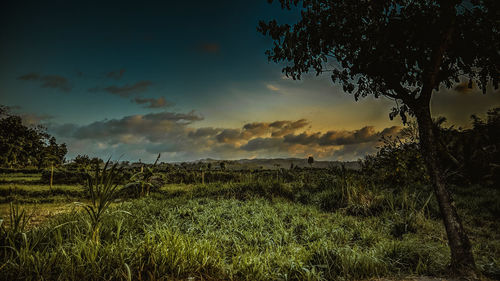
(222, 166)
(310, 160)
(473, 154)
(402, 50)
(22, 145)
(52, 153)
(82, 162)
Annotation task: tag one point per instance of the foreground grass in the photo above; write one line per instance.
(38, 213)
(253, 231)
(256, 239)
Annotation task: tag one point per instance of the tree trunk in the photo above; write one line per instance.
(462, 260)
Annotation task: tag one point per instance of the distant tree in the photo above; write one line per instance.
(402, 50)
(22, 146)
(52, 153)
(184, 165)
(96, 161)
(310, 160)
(209, 166)
(222, 165)
(82, 162)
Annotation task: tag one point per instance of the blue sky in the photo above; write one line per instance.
(102, 76)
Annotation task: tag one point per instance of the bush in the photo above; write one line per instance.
(64, 177)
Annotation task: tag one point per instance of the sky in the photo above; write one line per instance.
(187, 79)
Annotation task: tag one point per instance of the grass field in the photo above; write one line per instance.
(260, 230)
(17, 177)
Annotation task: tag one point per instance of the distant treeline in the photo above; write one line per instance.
(183, 176)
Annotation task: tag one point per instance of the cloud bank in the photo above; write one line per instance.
(125, 91)
(176, 136)
(153, 103)
(117, 75)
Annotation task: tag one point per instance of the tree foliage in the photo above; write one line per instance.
(473, 155)
(468, 156)
(310, 160)
(400, 49)
(23, 146)
(85, 163)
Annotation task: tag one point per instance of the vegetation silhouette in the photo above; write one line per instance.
(22, 146)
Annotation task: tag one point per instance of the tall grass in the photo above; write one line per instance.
(102, 190)
(334, 228)
(255, 239)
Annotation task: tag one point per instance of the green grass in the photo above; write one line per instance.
(255, 239)
(261, 230)
(39, 193)
(20, 177)
(38, 187)
(40, 212)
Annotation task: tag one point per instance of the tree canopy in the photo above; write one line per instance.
(402, 49)
(23, 146)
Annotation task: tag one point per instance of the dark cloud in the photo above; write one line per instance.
(64, 130)
(365, 134)
(136, 128)
(339, 145)
(153, 103)
(259, 129)
(117, 75)
(210, 48)
(48, 81)
(173, 116)
(335, 138)
(29, 76)
(230, 136)
(355, 151)
(275, 144)
(204, 132)
(303, 139)
(287, 127)
(125, 90)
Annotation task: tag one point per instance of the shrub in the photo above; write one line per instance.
(64, 177)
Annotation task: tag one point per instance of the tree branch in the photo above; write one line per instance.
(430, 77)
